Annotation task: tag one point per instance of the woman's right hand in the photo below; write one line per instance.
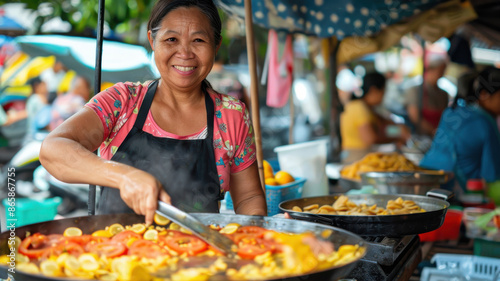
(141, 191)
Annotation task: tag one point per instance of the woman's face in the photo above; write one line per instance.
(184, 48)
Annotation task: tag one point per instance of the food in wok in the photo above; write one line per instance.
(378, 162)
(138, 252)
(343, 206)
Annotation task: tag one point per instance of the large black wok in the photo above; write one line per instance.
(387, 225)
(92, 223)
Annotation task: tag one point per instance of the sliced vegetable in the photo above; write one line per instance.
(146, 249)
(110, 249)
(184, 243)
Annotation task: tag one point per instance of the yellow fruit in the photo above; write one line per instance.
(115, 228)
(138, 228)
(271, 181)
(160, 220)
(283, 177)
(174, 226)
(28, 268)
(230, 228)
(268, 170)
(72, 231)
(102, 233)
(88, 262)
(151, 234)
(72, 263)
(50, 268)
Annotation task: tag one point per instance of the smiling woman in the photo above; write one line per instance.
(172, 139)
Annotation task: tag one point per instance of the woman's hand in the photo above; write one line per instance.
(141, 191)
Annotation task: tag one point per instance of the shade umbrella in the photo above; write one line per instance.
(9, 26)
(120, 61)
(327, 18)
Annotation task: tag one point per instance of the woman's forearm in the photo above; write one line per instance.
(69, 161)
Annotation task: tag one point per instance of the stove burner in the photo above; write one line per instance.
(388, 259)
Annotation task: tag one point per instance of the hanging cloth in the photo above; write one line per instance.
(280, 76)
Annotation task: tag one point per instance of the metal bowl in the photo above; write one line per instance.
(417, 182)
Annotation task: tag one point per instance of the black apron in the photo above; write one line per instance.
(185, 168)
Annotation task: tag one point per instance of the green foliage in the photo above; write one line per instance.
(124, 16)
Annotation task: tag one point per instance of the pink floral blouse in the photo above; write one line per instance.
(234, 143)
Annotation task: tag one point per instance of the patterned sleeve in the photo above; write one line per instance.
(108, 105)
(245, 150)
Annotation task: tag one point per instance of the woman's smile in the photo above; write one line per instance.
(185, 70)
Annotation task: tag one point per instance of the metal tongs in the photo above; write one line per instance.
(205, 233)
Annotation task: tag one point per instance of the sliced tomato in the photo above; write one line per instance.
(110, 249)
(185, 243)
(63, 247)
(73, 249)
(249, 248)
(34, 246)
(252, 230)
(125, 236)
(54, 239)
(146, 249)
(83, 240)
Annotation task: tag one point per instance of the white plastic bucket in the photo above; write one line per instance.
(306, 160)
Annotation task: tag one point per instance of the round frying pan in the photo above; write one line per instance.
(386, 225)
(92, 223)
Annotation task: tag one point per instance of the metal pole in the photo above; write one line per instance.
(254, 94)
(97, 87)
(335, 104)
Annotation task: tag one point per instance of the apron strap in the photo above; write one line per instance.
(209, 105)
(145, 106)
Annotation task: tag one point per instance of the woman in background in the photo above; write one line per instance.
(467, 140)
(361, 127)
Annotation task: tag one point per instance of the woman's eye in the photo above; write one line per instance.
(199, 40)
(171, 39)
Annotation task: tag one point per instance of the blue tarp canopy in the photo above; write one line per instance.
(9, 26)
(327, 18)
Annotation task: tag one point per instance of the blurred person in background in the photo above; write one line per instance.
(424, 112)
(36, 101)
(467, 140)
(361, 127)
(53, 77)
(64, 106)
(226, 82)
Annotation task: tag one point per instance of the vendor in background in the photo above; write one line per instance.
(424, 112)
(173, 139)
(227, 82)
(467, 140)
(36, 101)
(361, 127)
(64, 106)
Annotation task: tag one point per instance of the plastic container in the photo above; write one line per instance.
(450, 230)
(306, 160)
(470, 216)
(462, 267)
(28, 211)
(487, 248)
(276, 194)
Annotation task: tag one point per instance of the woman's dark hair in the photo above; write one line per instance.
(33, 82)
(465, 88)
(163, 7)
(374, 79)
(207, 7)
(489, 80)
(470, 86)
